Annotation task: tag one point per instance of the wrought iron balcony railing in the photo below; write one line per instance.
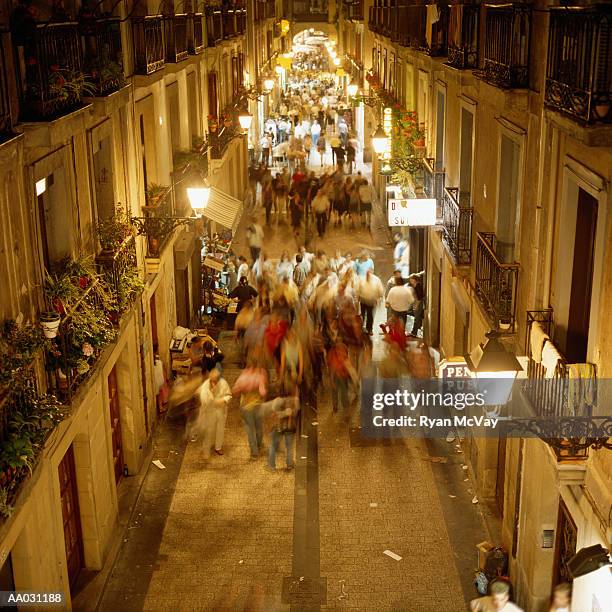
(196, 34)
(103, 54)
(148, 41)
(457, 224)
(437, 36)
(214, 25)
(564, 407)
(120, 270)
(229, 23)
(353, 10)
(506, 45)
(579, 71)
(310, 10)
(52, 81)
(433, 182)
(176, 38)
(463, 36)
(158, 222)
(219, 141)
(412, 26)
(6, 119)
(496, 284)
(241, 21)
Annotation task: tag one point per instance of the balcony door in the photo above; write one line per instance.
(467, 155)
(115, 421)
(71, 516)
(580, 257)
(440, 121)
(508, 195)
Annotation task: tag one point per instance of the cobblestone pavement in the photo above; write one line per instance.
(238, 537)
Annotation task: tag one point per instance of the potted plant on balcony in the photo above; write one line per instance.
(113, 230)
(156, 194)
(50, 322)
(18, 346)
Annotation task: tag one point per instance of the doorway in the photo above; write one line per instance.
(440, 113)
(115, 420)
(582, 279)
(500, 480)
(71, 516)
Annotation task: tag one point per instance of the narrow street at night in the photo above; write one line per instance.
(304, 306)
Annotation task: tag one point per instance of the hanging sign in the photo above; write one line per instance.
(340, 72)
(412, 212)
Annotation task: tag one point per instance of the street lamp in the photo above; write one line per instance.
(336, 61)
(352, 89)
(490, 360)
(268, 84)
(380, 141)
(245, 119)
(198, 197)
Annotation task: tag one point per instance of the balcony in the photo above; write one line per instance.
(103, 54)
(229, 23)
(196, 34)
(433, 182)
(214, 25)
(578, 75)
(220, 141)
(241, 21)
(457, 225)
(463, 36)
(353, 10)
(412, 26)
(119, 268)
(6, 119)
(310, 10)
(437, 36)
(148, 41)
(176, 38)
(565, 407)
(506, 46)
(52, 82)
(496, 284)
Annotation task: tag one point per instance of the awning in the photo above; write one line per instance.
(223, 209)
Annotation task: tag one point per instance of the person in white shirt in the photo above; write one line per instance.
(370, 291)
(320, 206)
(215, 395)
(243, 268)
(399, 299)
(497, 601)
(255, 236)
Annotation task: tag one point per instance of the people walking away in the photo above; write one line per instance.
(251, 386)
(320, 206)
(417, 310)
(267, 197)
(243, 293)
(498, 599)
(350, 156)
(215, 395)
(399, 300)
(300, 271)
(370, 292)
(255, 235)
(321, 146)
(341, 373)
(283, 413)
(365, 202)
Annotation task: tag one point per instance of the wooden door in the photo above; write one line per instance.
(565, 545)
(71, 516)
(153, 310)
(501, 474)
(115, 420)
(582, 279)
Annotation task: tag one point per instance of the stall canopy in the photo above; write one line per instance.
(223, 209)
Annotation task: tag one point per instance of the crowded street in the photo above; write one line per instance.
(304, 306)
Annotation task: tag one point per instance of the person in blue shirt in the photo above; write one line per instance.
(363, 263)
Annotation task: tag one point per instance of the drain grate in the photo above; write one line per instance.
(304, 591)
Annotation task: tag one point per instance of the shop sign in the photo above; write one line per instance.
(412, 212)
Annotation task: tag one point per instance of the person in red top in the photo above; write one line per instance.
(395, 332)
(342, 372)
(273, 336)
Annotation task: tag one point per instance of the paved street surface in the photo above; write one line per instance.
(229, 535)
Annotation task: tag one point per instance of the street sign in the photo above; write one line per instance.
(413, 212)
(454, 367)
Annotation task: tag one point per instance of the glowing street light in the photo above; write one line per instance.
(245, 119)
(352, 89)
(268, 84)
(198, 197)
(336, 61)
(380, 141)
